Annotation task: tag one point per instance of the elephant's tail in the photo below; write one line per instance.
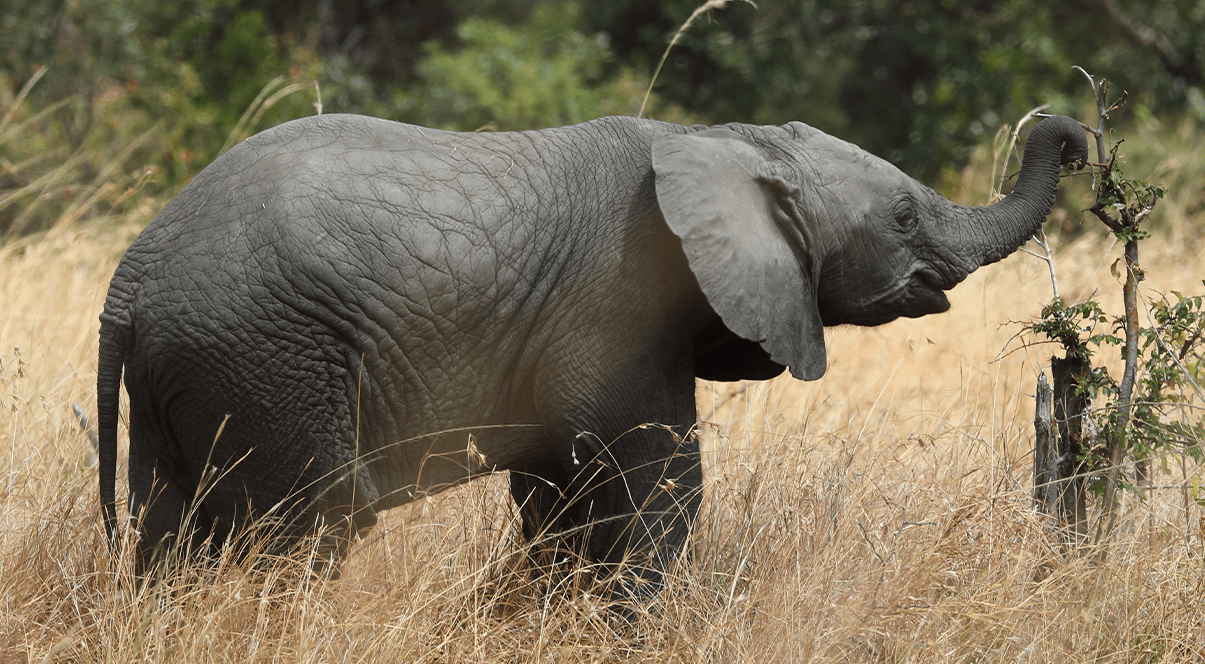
(113, 350)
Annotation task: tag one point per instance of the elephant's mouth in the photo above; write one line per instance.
(920, 291)
(938, 280)
(927, 293)
(927, 301)
(916, 296)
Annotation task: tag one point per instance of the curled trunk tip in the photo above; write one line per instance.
(990, 233)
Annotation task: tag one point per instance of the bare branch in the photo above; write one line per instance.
(1040, 238)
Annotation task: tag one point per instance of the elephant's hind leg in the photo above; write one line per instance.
(161, 496)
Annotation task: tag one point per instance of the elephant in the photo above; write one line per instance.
(343, 314)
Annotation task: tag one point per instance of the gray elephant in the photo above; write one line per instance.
(343, 314)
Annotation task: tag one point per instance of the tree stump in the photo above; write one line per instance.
(1070, 412)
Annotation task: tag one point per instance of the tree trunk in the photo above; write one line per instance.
(1070, 414)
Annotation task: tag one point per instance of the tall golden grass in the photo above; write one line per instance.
(881, 514)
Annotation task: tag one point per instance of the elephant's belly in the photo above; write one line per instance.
(447, 397)
(409, 466)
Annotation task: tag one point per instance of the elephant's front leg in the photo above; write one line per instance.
(626, 503)
(655, 491)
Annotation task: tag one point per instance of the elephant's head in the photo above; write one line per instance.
(788, 229)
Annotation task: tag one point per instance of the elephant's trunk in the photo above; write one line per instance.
(983, 235)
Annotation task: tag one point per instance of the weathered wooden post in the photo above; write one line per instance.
(1045, 452)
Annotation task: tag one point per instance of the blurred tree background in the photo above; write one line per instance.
(118, 83)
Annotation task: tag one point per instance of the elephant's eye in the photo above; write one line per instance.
(906, 218)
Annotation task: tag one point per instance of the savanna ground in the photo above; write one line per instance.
(881, 514)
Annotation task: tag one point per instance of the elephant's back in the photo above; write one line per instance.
(355, 183)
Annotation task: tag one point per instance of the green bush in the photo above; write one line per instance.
(537, 74)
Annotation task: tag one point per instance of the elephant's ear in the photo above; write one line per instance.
(740, 227)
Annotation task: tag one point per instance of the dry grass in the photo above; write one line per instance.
(878, 515)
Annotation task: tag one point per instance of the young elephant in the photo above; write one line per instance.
(343, 314)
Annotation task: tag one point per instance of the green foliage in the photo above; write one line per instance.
(536, 74)
(1131, 199)
(1171, 353)
(917, 83)
(1154, 51)
(511, 78)
(242, 61)
(1067, 324)
(1170, 360)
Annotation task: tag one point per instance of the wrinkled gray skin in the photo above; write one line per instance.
(364, 298)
